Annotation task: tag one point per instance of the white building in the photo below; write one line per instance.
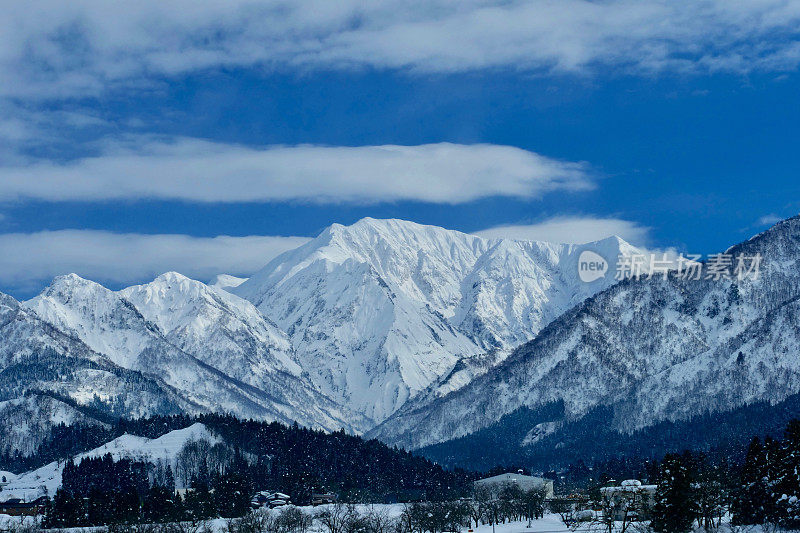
(631, 498)
(522, 481)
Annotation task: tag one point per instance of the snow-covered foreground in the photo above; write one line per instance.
(551, 523)
(548, 524)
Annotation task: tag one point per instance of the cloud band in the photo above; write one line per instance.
(201, 171)
(29, 260)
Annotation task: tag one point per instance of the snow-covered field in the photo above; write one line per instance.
(550, 523)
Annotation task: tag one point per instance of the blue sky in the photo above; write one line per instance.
(204, 140)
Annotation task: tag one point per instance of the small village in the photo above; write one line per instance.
(510, 501)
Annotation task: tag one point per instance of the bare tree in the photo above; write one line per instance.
(621, 509)
(566, 511)
(192, 525)
(334, 517)
(291, 520)
(378, 521)
(256, 521)
(23, 525)
(405, 523)
(481, 497)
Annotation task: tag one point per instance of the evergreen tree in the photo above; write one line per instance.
(711, 493)
(161, 505)
(199, 502)
(65, 510)
(232, 494)
(786, 489)
(169, 479)
(674, 509)
(752, 501)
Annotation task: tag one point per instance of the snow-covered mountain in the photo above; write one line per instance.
(229, 334)
(47, 376)
(215, 326)
(651, 349)
(226, 281)
(381, 310)
(340, 332)
(214, 349)
(165, 449)
(431, 334)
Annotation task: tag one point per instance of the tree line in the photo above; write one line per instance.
(161, 511)
(764, 490)
(102, 491)
(292, 459)
(694, 491)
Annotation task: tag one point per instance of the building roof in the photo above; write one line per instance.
(514, 478)
(630, 485)
(18, 502)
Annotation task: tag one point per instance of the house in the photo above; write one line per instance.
(630, 500)
(18, 507)
(279, 499)
(519, 479)
(270, 499)
(259, 500)
(323, 498)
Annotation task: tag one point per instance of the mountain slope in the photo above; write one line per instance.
(225, 281)
(47, 479)
(111, 325)
(381, 310)
(36, 358)
(653, 349)
(228, 333)
(219, 328)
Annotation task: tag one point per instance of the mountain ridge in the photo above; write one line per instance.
(416, 335)
(382, 309)
(654, 349)
(113, 325)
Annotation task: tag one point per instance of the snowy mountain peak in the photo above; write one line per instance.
(101, 318)
(204, 320)
(229, 335)
(166, 286)
(8, 302)
(417, 328)
(211, 347)
(226, 281)
(652, 349)
(363, 318)
(172, 277)
(381, 309)
(71, 283)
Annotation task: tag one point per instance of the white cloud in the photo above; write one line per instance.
(195, 170)
(768, 220)
(81, 47)
(29, 260)
(577, 230)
